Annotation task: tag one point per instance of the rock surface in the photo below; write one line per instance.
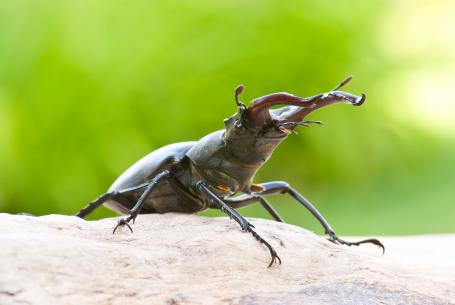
(187, 259)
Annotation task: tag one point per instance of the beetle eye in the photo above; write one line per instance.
(239, 128)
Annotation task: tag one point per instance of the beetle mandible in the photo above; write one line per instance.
(190, 177)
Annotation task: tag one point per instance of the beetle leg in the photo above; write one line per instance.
(244, 224)
(244, 200)
(275, 257)
(137, 207)
(123, 222)
(283, 187)
(105, 197)
(336, 240)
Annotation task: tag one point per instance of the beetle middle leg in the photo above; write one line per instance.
(247, 199)
(244, 224)
(137, 207)
(279, 187)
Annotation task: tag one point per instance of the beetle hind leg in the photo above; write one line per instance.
(105, 197)
(94, 204)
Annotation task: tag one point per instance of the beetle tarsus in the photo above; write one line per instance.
(336, 240)
(275, 257)
(232, 213)
(124, 222)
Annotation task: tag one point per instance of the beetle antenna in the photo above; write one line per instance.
(302, 123)
(239, 90)
(343, 83)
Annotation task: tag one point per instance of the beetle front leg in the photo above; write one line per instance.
(137, 207)
(336, 240)
(244, 224)
(233, 214)
(280, 187)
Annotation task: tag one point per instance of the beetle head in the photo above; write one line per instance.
(259, 118)
(254, 131)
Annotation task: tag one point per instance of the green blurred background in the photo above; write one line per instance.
(89, 87)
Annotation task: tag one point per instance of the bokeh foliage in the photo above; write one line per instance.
(89, 87)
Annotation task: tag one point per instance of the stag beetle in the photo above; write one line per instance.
(190, 177)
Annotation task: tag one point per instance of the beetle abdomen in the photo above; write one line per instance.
(150, 165)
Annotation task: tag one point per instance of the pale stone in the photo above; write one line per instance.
(189, 259)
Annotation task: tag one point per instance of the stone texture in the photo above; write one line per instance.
(188, 259)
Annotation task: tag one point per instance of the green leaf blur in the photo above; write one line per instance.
(89, 87)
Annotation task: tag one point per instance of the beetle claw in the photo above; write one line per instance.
(124, 222)
(275, 258)
(336, 240)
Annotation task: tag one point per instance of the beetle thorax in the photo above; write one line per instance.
(231, 158)
(251, 148)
